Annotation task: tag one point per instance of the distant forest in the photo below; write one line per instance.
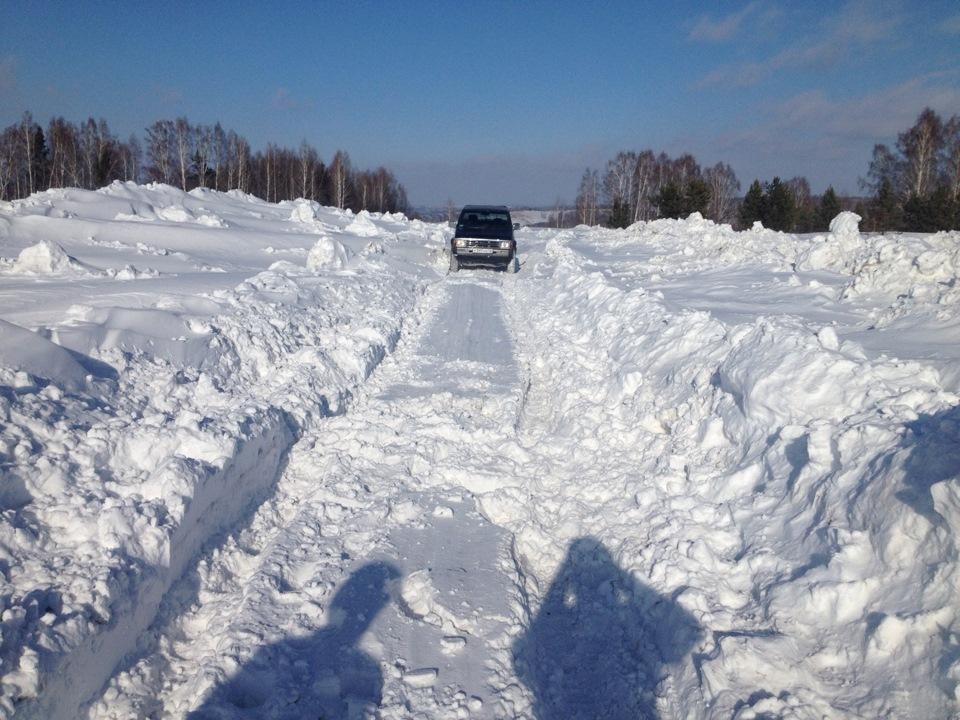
(187, 156)
(914, 186)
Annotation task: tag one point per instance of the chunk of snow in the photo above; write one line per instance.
(174, 213)
(47, 258)
(846, 225)
(362, 226)
(327, 254)
(304, 211)
(421, 677)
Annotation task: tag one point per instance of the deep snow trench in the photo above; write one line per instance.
(272, 461)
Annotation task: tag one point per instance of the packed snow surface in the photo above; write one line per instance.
(271, 460)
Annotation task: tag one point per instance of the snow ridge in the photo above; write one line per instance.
(167, 429)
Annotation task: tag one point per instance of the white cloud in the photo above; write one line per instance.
(721, 29)
(855, 27)
(830, 140)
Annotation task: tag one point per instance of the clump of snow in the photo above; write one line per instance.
(210, 220)
(174, 213)
(846, 225)
(130, 272)
(373, 248)
(327, 254)
(839, 250)
(304, 211)
(362, 225)
(47, 258)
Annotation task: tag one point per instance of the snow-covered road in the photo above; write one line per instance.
(294, 469)
(370, 554)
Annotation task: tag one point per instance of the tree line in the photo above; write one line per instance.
(644, 186)
(177, 152)
(914, 186)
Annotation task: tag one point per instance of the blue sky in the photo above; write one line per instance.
(502, 102)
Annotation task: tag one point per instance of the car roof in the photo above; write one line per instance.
(502, 208)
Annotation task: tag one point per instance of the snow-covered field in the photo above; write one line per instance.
(272, 461)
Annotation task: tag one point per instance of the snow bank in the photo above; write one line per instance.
(144, 432)
(698, 243)
(911, 268)
(767, 476)
(700, 402)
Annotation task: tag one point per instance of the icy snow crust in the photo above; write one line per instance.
(674, 471)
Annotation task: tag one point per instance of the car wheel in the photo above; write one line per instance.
(454, 263)
(513, 266)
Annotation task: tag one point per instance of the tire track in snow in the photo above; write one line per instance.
(393, 475)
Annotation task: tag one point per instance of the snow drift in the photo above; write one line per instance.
(752, 436)
(133, 436)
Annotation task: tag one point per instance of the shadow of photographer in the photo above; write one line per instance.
(323, 676)
(601, 642)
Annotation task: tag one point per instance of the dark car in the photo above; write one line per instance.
(484, 238)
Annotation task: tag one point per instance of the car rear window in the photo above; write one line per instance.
(484, 224)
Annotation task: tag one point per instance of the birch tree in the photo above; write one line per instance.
(919, 147)
(182, 137)
(724, 187)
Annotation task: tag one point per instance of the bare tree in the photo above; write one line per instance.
(382, 182)
(684, 169)
(619, 178)
(951, 157)
(130, 156)
(160, 150)
(340, 179)
(643, 185)
(724, 187)
(8, 165)
(919, 147)
(885, 168)
(559, 211)
(63, 148)
(588, 198)
(799, 187)
(203, 152)
(26, 130)
(182, 136)
(307, 162)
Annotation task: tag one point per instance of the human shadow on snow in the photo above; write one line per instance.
(601, 641)
(321, 677)
(934, 442)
